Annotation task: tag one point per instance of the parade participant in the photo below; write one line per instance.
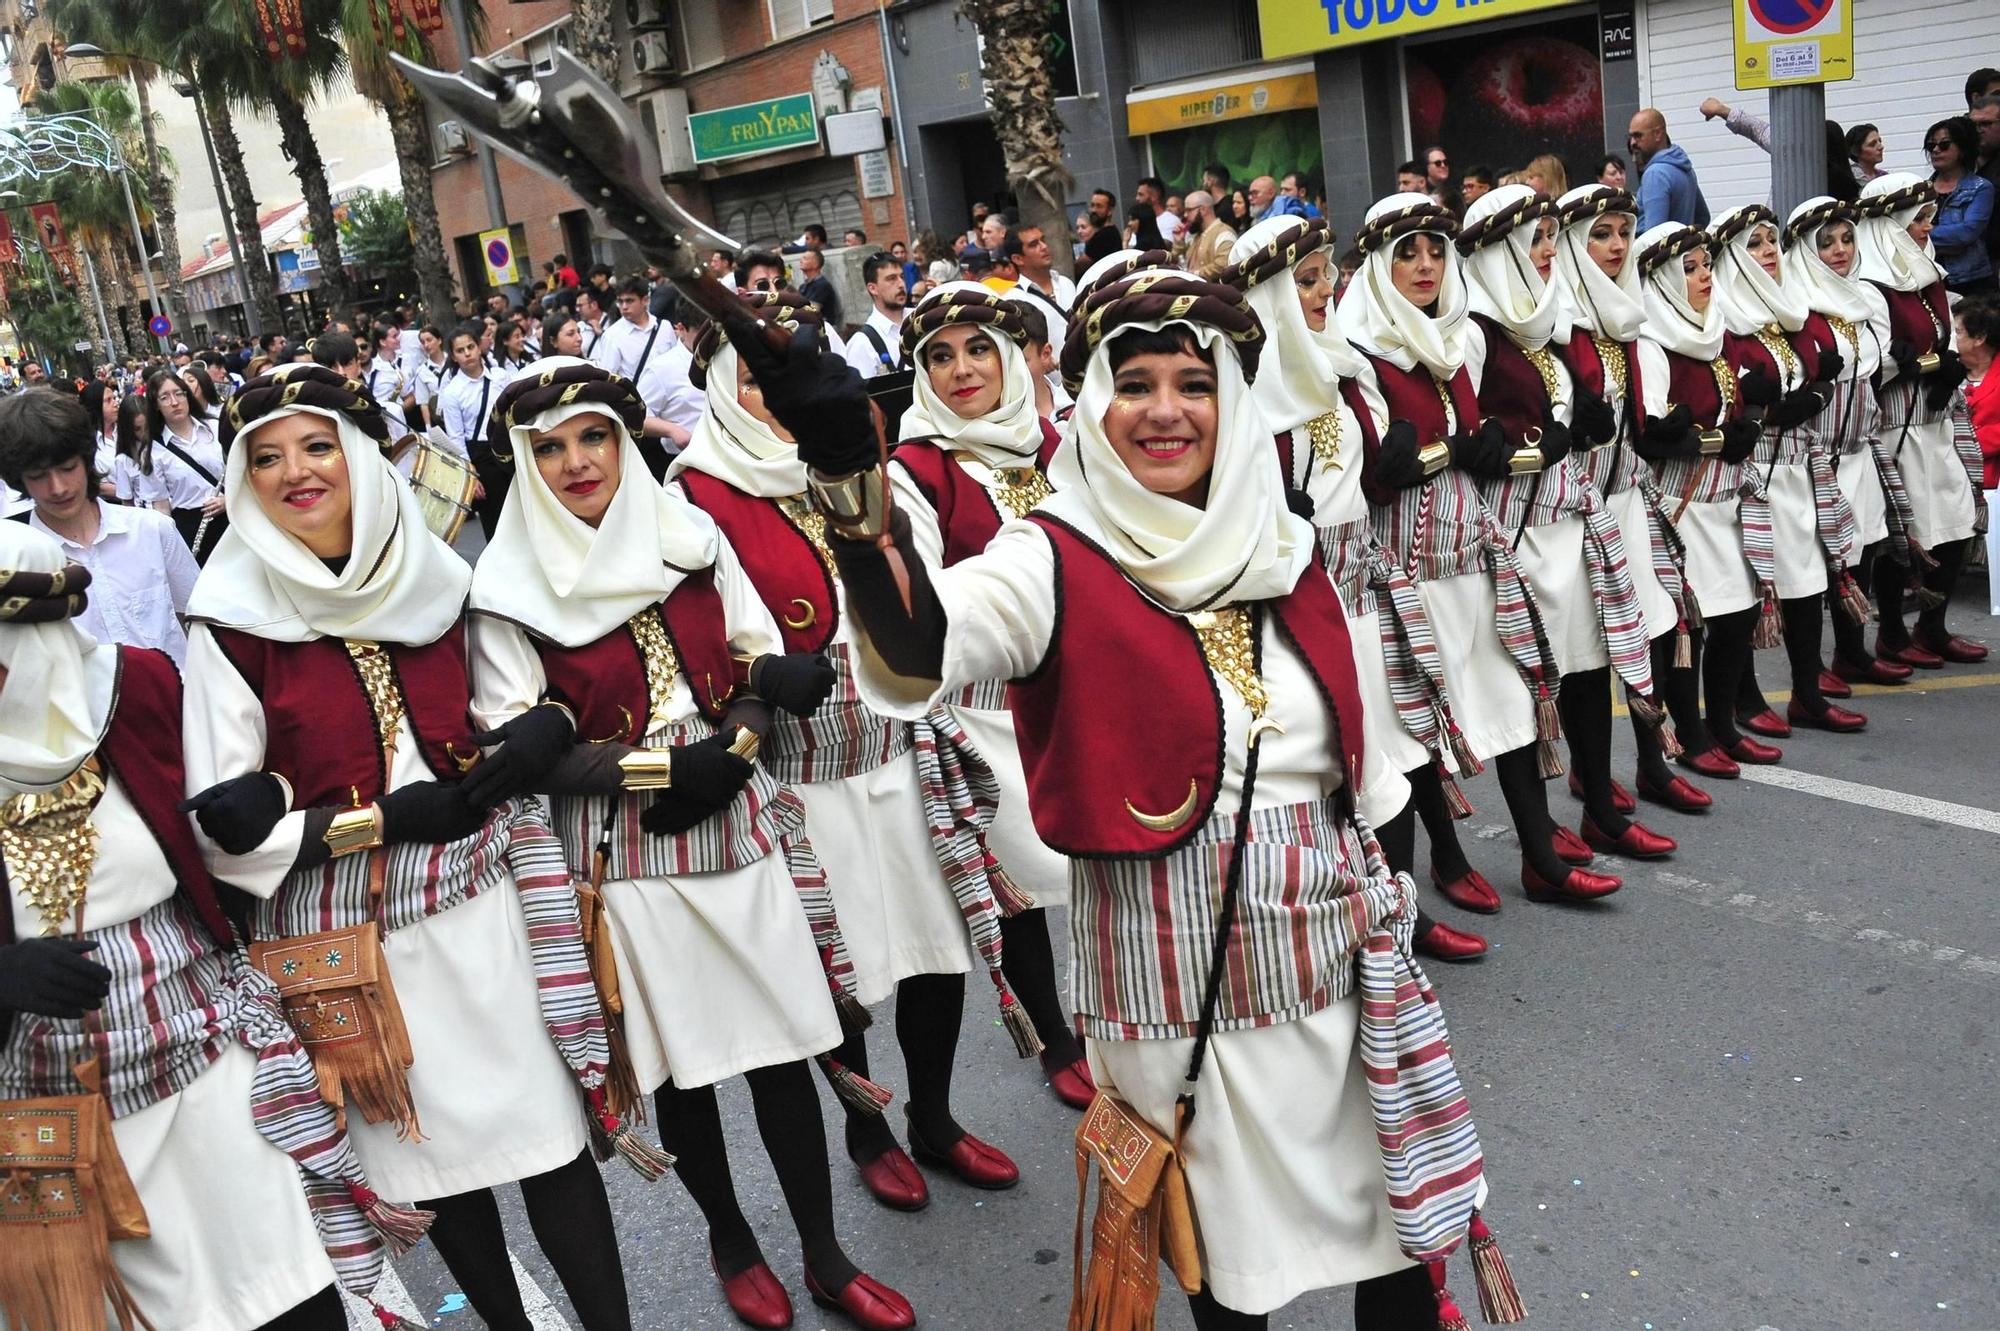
(234, 1195)
(903, 857)
(1697, 433)
(187, 460)
(1598, 276)
(1786, 363)
(1309, 387)
(433, 367)
(465, 406)
(1919, 393)
(1820, 262)
(1563, 535)
(327, 724)
(101, 402)
(975, 452)
(716, 968)
(385, 380)
(1406, 312)
(1168, 541)
(134, 476)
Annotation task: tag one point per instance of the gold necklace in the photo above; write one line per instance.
(1781, 351)
(50, 845)
(1612, 354)
(1231, 652)
(1323, 433)
(1847, 330)
(1544, 362)
(656, 649)
(1725, 387)
(1450, 412)
(378, 681)
(1018, 489)
(811, 524)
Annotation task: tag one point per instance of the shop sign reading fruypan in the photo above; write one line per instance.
(1293, 27)
(754, 127)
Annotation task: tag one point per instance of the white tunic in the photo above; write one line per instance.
(496, 1101)
(233, 1243)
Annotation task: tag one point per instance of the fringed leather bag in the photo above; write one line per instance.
(621, 1081)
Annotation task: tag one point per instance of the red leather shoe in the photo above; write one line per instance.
(1073, 1084)
(1711, 762)
(867, 1302)
(1679, 794)
(1766, 723)
(1747, 750)
(970, 1160)
(1909, 654)
(895, 1181)
(1469, 891)
(1569, 847)
(1876, 671)
(1621, 798)
(1833, 686)
(755, 1296)
(1577, 885)
(1957, 650)
(1636, 843)
(1837, 719)
(1445, 943)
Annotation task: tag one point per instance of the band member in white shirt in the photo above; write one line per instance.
(879, 347)
(386, 381)
(648, 351)
(187, 460)
(464, 404)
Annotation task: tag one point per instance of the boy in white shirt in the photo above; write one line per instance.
(466, 403)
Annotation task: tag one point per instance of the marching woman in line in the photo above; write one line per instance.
(1229, 776)
(187, 462)
(1598, 274)
(1406, 312)
(975, 452)
(1821, 259)
(1697, 436)
(1786, 363)
(661, 661)
(116, 960)
(1919, 395)
(1311, 386)
(903, 858)
(1562, 533)
(327, 728)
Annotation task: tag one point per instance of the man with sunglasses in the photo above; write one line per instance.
(1985, 118)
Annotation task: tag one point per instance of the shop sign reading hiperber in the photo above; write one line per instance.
(1780, 42)
(1292, 27)
(754, 127)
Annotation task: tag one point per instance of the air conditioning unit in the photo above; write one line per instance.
(652, 54)
(665, 114)
(644, 15)
(454, 138)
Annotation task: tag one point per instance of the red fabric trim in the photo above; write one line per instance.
(781, 562)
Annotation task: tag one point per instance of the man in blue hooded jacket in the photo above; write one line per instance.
(1668, 191)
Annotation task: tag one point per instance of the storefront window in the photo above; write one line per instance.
(1501, 99)
(1256, 146)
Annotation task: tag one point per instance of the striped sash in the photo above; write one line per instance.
(842, 739)
(816, 900)
(1669, 553)
(1519, 622)
(1966, 444)
(1759, 540)
(1617, 599)
(1833, 516)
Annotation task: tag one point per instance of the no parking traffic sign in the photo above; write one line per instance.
(1782, 42)
(159, 325)
(497, 248)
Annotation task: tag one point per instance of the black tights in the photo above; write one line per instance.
(1938, 585)
(929, 1009)
(1725, 656)
(571, 1217)
(1586, 715)
(788, 1119)
(1680, 688)
(1028, 960)
(1802, 628)
(1440, 828)
(1403, 1300)
(1850, 643)
(1399, 846)
(322, 1312)
(1527, 802)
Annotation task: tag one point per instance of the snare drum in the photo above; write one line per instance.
(444, 483)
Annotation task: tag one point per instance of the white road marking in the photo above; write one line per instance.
(395, 1296)
(1875, 797)
(542, 1314)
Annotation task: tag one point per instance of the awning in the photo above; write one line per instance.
(1230, 95)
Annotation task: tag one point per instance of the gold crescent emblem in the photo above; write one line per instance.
(1263, 726)
(1167, 822)
(807, 619)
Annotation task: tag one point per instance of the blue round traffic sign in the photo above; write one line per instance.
(159, 325)
(497, 253)
(1789, 16)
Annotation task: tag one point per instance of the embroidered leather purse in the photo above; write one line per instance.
(621, 1082)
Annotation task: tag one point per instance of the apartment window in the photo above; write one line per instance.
(789, 18)
(701, 32)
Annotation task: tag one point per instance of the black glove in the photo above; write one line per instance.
(1739, 439)
(1668, 436)
(1556, 440)
(531, 744)
(1904, 357)
(52, 977)
(238, 814)
(796, 681)
(430, 813)
(1759, 388)
(1593, 418)
(819, 399)
(1483, 452)
(1795, 408)
(706, 777)
(1397, 465)
(1942, 382)
(1831, 363)
(1300, 503)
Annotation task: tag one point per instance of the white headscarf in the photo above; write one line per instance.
(400, 584)
(732, 445)
(60, 684)
(1501, 281)
(1244, 545)
(1826, 291)
(1750, 297)
(1299, 370)
(1888, 254)
(1005, 436)
(1670, 320)
(1380, 321)
(572, 583)
(1610, 307)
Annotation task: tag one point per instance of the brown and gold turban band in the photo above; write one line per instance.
(1136, 261)
(1742, 222)
(1160, 296)
(28, 597)
(1913, 195)
(962, 305)
(1806, 223)
(1602, 199)
(1498, 225)
(1672, 246)
(300, 385)
(787, 308)
(560, 386)
(1393, 226)
(1277, 255)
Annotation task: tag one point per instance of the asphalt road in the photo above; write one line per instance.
(1752, 1092)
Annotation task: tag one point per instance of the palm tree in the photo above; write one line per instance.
(1021, 96)
(590, 38)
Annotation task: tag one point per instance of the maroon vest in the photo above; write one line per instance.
(319, 731)
(967, 517)
(1691, 384)
(1911, 315)
(1747, 353)
(1412, 396)
(1510, 387)
(1094, 746)
(781, 562)
(1584, 362)
(142, 748)
(604, 682)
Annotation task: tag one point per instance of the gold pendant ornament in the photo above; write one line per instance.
(50, 845)
(1019, 489)
(378, 681)
(1774, 342)
(1323, 433)
(1616, 372)
(811, 524)
(1228, 644)
(657, 651)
